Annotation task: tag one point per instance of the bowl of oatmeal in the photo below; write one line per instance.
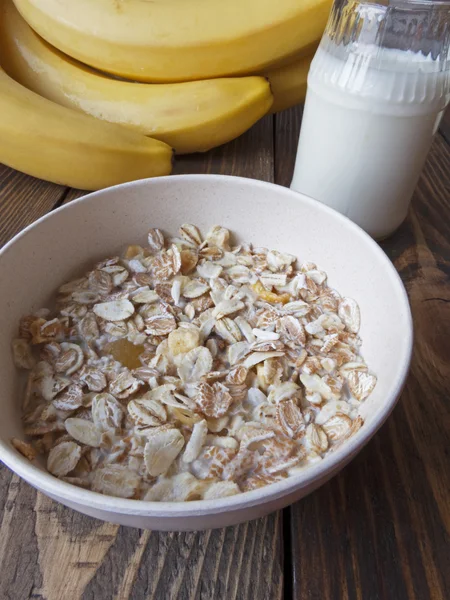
(194, 351)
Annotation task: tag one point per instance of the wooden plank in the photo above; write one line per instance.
(53, 552)
(287, 131)
(251, 155)
(379, 529)
(50, 552)
(445, 125)
(23, 199)
(73, 194)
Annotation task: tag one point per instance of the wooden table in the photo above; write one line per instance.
(376, 531)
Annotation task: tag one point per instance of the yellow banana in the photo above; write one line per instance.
(177, 40)
(288, 83)
(191, 117)
(61, 145)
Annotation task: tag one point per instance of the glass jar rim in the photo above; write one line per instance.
(428, 3)
(405, 3)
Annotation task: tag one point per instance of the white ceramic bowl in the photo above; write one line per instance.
(68, 240)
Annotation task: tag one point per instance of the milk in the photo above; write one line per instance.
(367, 127)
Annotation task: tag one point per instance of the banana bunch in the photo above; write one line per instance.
(177, 40)
(192, 117)
(54, 143)
(97, 92)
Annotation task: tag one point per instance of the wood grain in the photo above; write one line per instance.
(24, 199)
(251, 155)
(445, 125)
(287, 129)
(380, 529)
(50, 552)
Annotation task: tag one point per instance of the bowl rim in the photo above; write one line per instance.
(318, 472)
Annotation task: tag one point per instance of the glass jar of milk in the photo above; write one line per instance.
(377, 89)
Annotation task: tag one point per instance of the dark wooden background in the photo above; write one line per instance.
(379, 530)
